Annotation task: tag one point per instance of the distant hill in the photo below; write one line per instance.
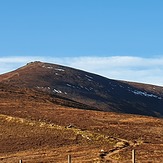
(72, 87)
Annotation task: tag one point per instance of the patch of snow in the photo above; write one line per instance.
(57, 91)
(89, 77)
(49, 67)
(89, 80)
(87, 89)
(121, 86)
(145, 94)
(59, 69)
(81, 87)
(40, 87)
(69, 85)
(43, 88)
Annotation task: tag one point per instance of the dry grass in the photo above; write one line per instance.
(34, 129)
(41, 141)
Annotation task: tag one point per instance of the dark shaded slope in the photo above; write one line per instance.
(89, 89)
(20, 96)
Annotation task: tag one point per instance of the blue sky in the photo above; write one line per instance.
(61, 31)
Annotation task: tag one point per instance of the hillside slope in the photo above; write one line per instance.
(89, 89)
(36, 129)
(39, 124)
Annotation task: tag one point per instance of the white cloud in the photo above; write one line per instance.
(139, 69)
(11, 63)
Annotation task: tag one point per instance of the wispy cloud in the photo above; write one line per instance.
(139, 69)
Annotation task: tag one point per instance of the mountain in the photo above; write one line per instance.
(87, 90)
(48, 112)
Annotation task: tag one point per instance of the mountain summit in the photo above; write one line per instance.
(88, 89)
